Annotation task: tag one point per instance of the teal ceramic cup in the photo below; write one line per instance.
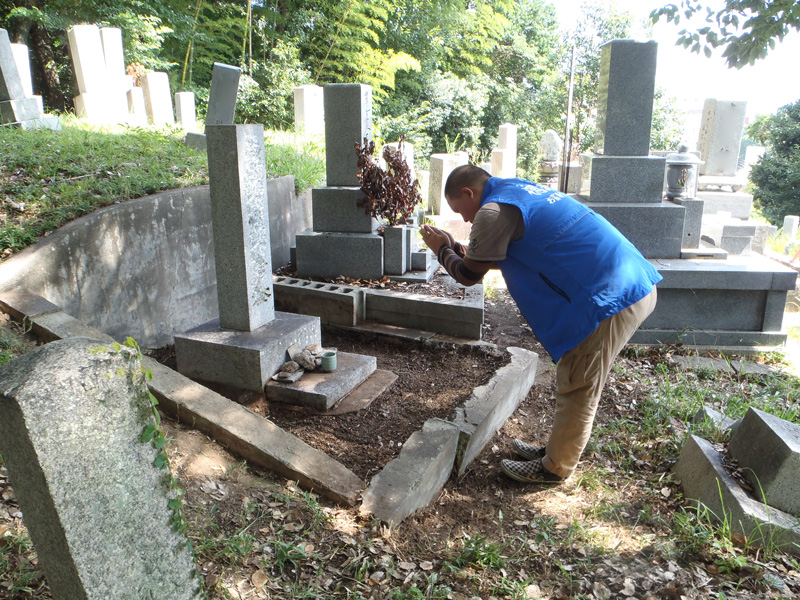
(328, 361)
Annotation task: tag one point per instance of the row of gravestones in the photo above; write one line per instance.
(109, 95)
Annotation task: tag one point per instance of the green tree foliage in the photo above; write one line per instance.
(776, 176)
(748, 29)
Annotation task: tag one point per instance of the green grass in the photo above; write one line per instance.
(48, 178)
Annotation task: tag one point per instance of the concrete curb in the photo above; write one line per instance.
(414, 479)
(251, 436)
(492, 404)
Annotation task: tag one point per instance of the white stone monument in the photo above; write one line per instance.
(157, 98)
(185, 110)
(309, 109)
(507, 141)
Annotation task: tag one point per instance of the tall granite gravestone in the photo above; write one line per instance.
(15, 107)
(309, 109)
(621, 174)
(221, 102)
(704, 299)
(95, 506)
(344, 240)
(247, 344)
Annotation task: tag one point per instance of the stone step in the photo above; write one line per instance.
(768, 449)
(705, 481)
(321, 391)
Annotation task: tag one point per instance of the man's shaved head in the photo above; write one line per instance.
(464, 176)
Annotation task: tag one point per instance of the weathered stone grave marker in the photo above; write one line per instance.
(15, 106)
(309, 109)
(221, 102)
(96, 507)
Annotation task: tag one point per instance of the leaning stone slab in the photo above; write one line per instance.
(319, 390)
(768, 449)
(413, 479)
(492, 404)
(705, 481)
(96, 507)
(251, 436)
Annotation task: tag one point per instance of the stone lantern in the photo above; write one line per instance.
(682, 169)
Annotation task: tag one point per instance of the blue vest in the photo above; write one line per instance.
(571, 269)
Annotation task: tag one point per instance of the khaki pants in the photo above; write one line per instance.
(580, 376)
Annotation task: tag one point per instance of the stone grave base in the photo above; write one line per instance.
(243, 359)
(735, 302)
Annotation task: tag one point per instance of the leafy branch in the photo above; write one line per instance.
(391, 194)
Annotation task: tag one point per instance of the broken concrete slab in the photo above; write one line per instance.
(361, 397)
(492, 404)
(724, 365)
(706, 414)
(705, 481)
(414, 479)
(319, 390)
(768, 449)
(461, 317)
(251, 436)
(702, 362)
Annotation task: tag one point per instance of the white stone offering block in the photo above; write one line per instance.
(309, 109)
(157, 98)
(96, 507)
(86, 49)
(23, 61)
(185, 110)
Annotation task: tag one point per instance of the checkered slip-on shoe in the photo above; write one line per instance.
(531, 471)
(528, 451)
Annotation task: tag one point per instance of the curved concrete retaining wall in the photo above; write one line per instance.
(144, 268)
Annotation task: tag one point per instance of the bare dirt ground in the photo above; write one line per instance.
(609, 532)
